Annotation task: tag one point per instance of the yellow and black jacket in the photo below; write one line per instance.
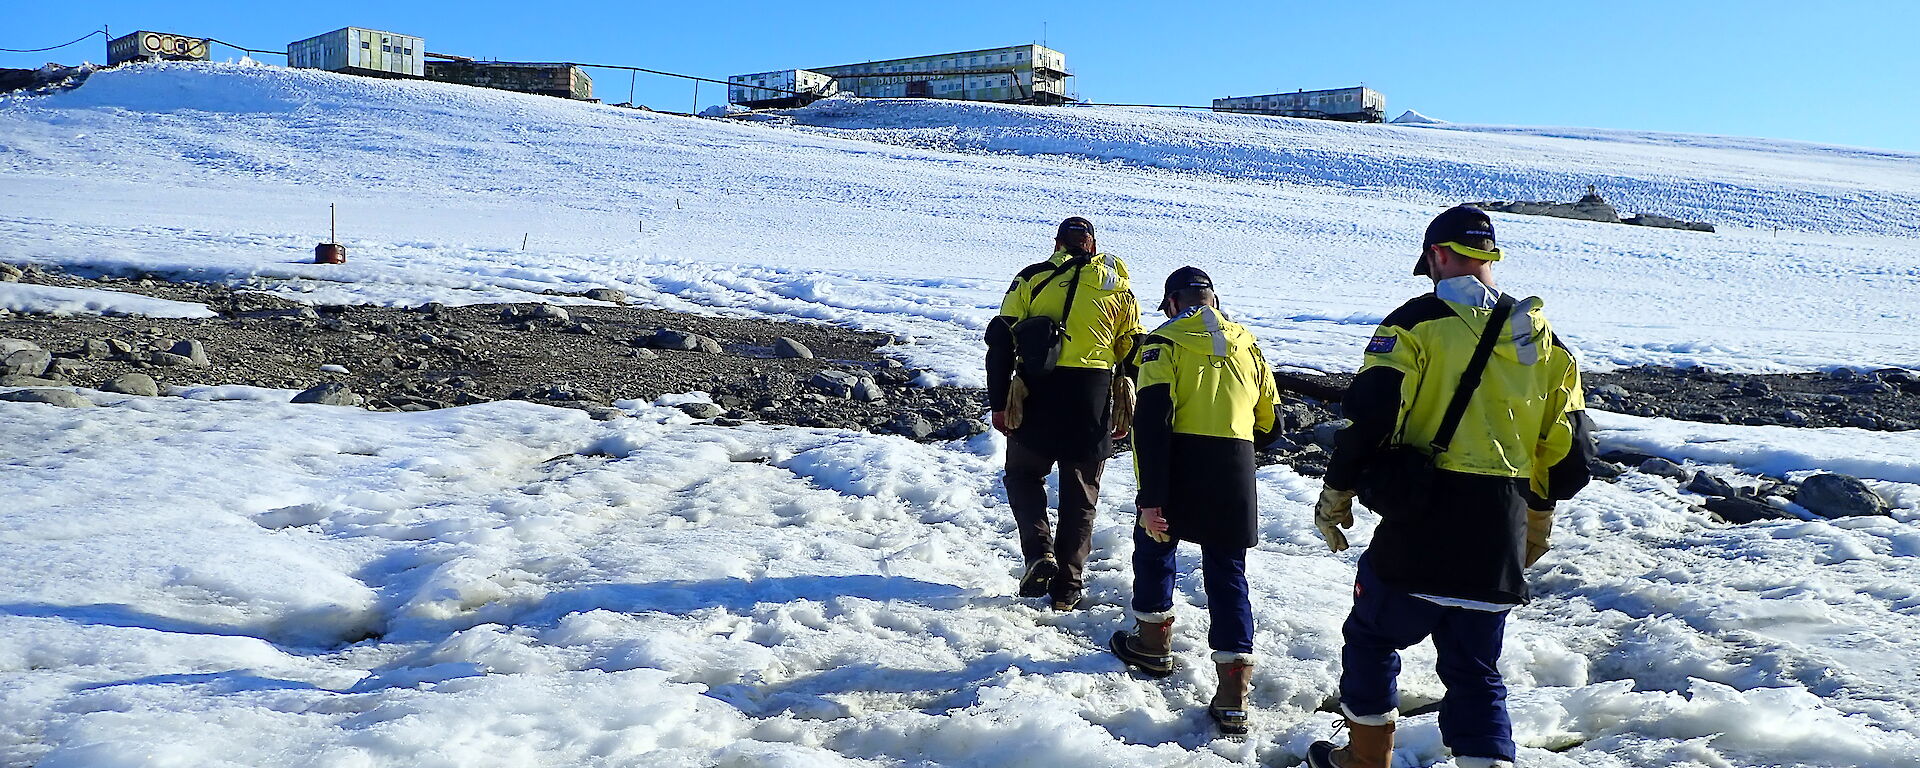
(1206, 402)
(1068, 415)
(1525, 439)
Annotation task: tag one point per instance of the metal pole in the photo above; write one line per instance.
(333, 225)
(696, 98)
(631, 76)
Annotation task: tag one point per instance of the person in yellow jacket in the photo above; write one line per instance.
(1467, 511)
(1058, 374)
(1206, 404)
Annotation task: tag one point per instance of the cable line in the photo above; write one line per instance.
(52, 47)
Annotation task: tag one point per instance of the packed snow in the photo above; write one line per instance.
(511, 584)
(57, 300)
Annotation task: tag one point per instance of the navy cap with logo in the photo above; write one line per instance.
(1462, 224)
(1074, 224)
(1181, 279)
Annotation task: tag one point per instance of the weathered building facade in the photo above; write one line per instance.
(361, 52)
(1028, 74)
(1362, 105)
(149, 46)
(547, 79)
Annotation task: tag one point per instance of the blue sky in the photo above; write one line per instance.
(1835, 72)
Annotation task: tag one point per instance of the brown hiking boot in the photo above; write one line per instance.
(1149, 647)
(1368, 746)
(1229, 704)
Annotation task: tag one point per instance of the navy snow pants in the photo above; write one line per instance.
(1473, 714)
(1223, 573)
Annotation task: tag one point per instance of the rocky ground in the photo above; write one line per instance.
(590, 356)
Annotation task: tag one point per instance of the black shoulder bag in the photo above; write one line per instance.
(1037, 340)
(1399, 480)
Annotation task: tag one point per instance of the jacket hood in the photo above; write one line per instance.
(1207, 331)
(1527, 333)
(1106, 271)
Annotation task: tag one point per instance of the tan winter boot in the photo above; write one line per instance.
(1149, 647)
(1229, 705)
(1368, 746)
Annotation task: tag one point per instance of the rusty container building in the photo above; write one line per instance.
(155, 46)
(1359, 105)
(547, 79)
(361, 52)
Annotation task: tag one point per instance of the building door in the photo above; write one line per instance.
(918, 88)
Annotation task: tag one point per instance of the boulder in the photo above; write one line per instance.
(1708, 485)
(94, 349)
(10, 346)
(1324, 432)
(192, 350)
(961, 428)
(169, 360)
(10, 273)
(26, 362)
(550, 313)
(1832, 496)
(1741, 510)
(133, 384)
(609, 295)
(668, 338)
(868, 391)
(330, 393)
(1603, 470)
(701, 410)
(834, 383)
(910, 425)
(788, 348)
(59, 397)
(1663, 468)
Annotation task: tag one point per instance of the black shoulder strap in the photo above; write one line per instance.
(1470, 378)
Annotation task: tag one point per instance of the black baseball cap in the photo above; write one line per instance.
(1454, 225)
(1074, 224)
(1181, 279)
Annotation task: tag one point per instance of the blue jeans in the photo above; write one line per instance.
(1473, 714)
(1223, 573)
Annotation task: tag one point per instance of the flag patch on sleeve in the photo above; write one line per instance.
(1149, 355)
(1014, 287)
(1380, 345)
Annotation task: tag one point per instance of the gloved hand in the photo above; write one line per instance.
(1155, 521)
(1333, 512)
(1539, 528)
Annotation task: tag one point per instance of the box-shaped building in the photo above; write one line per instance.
(361, 52)
(1360, 105)
(547, 79)
(1025, 74)
(151, 46)
(780, 89)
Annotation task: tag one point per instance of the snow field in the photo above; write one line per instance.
(510, 584)
(907, 217)
(55, 300)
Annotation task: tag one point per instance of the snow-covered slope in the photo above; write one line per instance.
(908, 216)
(508, 584)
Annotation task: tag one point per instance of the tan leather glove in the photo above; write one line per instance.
(1154, 521)
(1539, 528)
(1016, 402)
(1122, 406)
(1333, 512)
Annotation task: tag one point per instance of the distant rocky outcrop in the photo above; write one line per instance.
(1590, 207)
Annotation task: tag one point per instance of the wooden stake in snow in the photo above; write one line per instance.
(523, 240)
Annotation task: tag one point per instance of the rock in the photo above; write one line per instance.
(1832, 496)
(784, 347)
(1740, 510)
(1603, 470)
(19, 380)
(645, 354)
(193, 350)
(550, 313)
(1625, 458)
(10, 273)
(668, 338)
(960, 429)
(1323, 433)
(1756, 388)
(1610, 392)
(910, 425)
(10, 346)
(1842, 374)
(701, 410)
(1708, 485)
(330, 393)
(59, 397)
(604, 413)
(119, 349)
(133, 384)
(1863, 421)
(26, 362)
(94, 349)
(1663, 468)
(63, 366)
(169, 360)
(583, 329)
(1793, 418)
(868, 391)
(609, 295)
(834, 383)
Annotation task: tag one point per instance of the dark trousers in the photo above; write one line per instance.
(1473, 714)
(1026, 482)
(1223, 572)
